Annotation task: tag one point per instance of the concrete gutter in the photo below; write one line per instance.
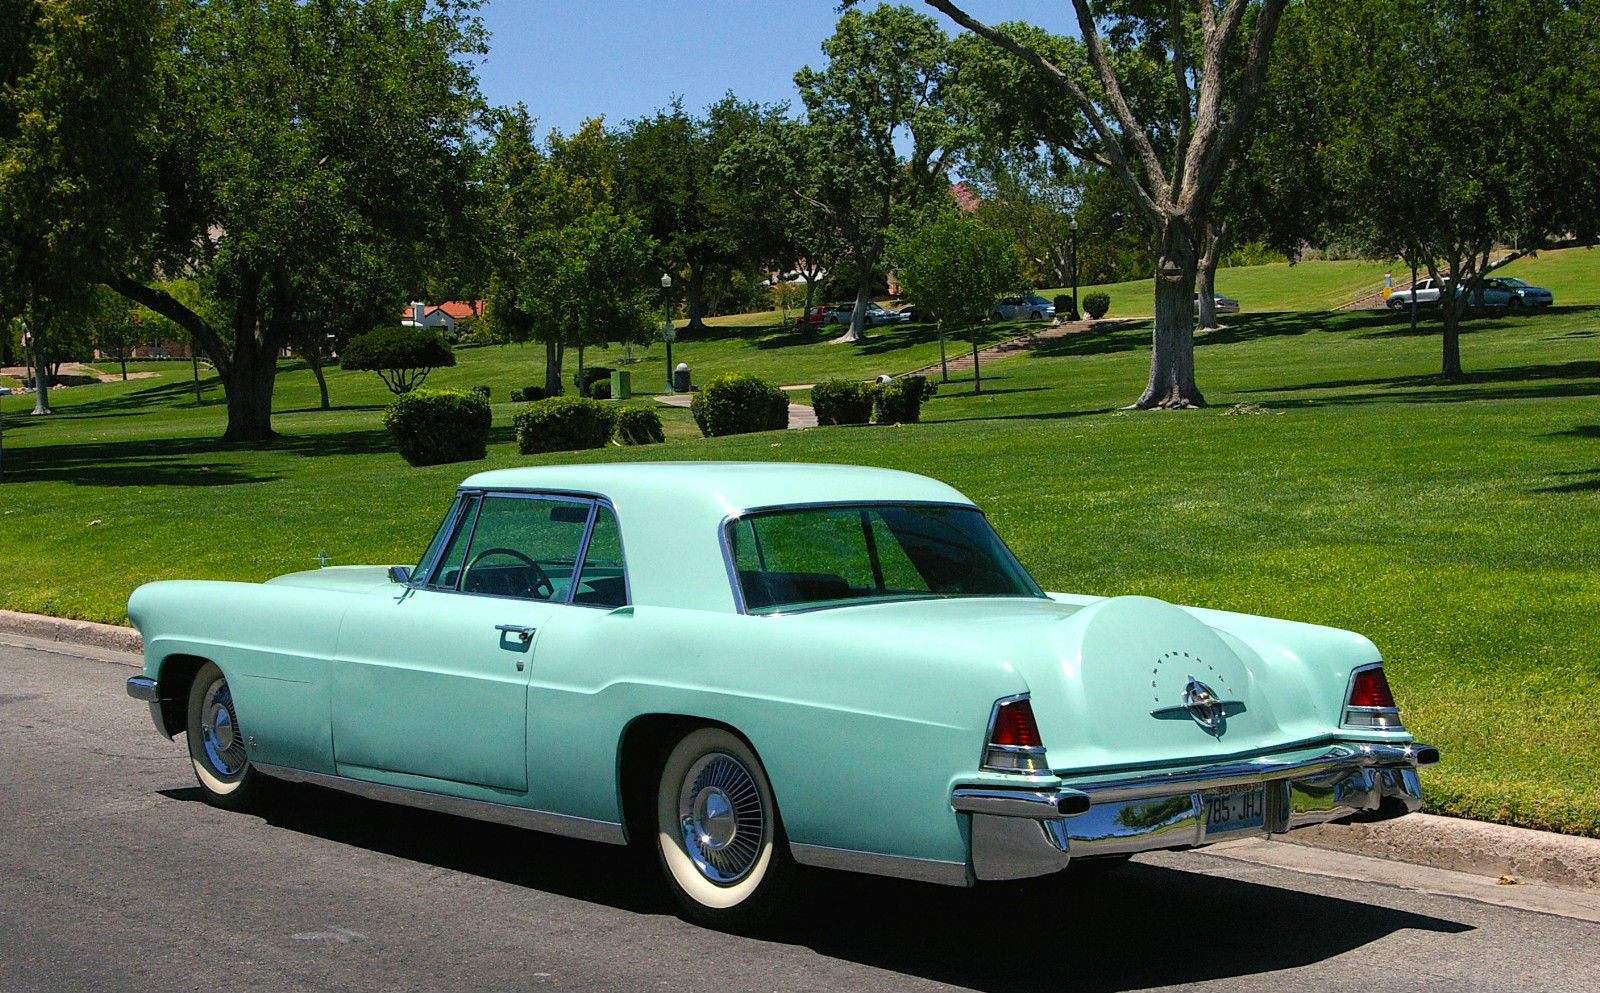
(1509, 854)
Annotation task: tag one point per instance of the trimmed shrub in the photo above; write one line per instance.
(600, 389)
(482, 391)
(639, 426)
(843, 401)
(563, 424)
(1096, 304)
(403, 357)
(528, 394)
(432, 427)
(899, 401)
(1064, 308)
(585, 378)
(739, 403)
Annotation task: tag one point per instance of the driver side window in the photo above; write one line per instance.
(524, 547)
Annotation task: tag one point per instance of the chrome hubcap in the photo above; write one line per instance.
(721, 818)
(219, 731)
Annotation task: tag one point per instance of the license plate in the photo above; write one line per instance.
(1238, 808)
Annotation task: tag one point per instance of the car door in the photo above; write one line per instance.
(433, 682)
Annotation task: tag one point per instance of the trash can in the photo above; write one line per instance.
(621, 384)
(680, 379)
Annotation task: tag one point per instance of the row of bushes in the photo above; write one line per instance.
(899, 401)
(432, 427)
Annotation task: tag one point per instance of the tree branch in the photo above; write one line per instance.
(1114, 155)
(167, 306)
(1212, 159)
(1180, 79)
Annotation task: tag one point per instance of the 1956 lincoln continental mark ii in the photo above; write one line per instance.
(750, 666)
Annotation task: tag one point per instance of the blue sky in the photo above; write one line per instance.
(570, 60)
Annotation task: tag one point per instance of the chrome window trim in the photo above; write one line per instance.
(738, 590)
(468, 519)
(554, 496)
(587, 829)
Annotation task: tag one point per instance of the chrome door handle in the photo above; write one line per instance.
(520, 630)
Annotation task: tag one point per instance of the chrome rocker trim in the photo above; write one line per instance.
(1018, 833)
(147, 689)
(898, 866)
(533, 820)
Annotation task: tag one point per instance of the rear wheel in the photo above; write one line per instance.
(718, 836)
(1514, 305)
(216, 744)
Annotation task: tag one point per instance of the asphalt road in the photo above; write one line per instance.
(114, 875)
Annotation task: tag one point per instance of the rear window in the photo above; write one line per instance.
(827, 556)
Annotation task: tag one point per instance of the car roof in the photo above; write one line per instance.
(670, 513)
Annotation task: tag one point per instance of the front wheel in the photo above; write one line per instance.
(216, 744)
(718, 836)
(1514, 305)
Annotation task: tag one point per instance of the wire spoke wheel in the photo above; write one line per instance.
(719, 838)
(217, 744)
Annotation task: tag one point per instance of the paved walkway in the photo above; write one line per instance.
(960, 360)
(800, 416)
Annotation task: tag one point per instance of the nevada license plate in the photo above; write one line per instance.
(1237, 808)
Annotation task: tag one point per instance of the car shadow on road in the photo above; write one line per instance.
(1138, 926)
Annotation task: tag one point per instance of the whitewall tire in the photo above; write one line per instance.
(718, 836)
(217, 744)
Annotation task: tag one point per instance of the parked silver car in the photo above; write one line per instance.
(1018, 308)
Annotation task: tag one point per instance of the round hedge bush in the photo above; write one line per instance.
(563, 424)
(1096, 304)
(639, 426)
(899, 401)
(739, 403)
(432, 427)
(843, 401)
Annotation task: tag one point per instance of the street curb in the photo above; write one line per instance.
(87, 633)
(1496, 850)
(1511, 853)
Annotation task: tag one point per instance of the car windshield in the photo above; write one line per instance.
(828, 556)
(1514, 281)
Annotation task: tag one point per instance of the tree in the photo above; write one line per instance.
(885, 83)
(775, 173)
(668, 175)
(73, 86)
(288, 132)
(1170, 155)
(956, 267)
(402, 357)
(1490, 111)
(547, 201)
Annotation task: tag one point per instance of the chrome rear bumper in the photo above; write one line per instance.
(1017, 833)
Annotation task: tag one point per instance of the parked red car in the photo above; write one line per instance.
(816, 315)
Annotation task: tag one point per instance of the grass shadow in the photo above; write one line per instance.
(176, 461)
(1589, 485)
(1567, 379)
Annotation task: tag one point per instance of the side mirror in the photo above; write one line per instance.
(400, 574)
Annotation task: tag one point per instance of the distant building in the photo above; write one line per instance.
(440, 315)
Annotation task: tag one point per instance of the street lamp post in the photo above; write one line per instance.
(666, 326)
(1072, 263)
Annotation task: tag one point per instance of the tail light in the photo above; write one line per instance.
(1370, 704)
(1013, 743)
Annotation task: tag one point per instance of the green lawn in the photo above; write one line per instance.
(1332, 480)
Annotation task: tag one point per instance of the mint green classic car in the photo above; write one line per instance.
(753, 666)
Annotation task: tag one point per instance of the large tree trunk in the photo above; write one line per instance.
(1172, 384)
(694, 292)
(249, 383)
(857, 330)
(1451, 310)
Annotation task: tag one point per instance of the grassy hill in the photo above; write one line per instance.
(1334, 480)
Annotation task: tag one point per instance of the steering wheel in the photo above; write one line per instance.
(541, 586)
